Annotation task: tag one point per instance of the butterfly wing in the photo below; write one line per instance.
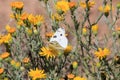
(60, 37)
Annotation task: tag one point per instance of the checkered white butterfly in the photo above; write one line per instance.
(60, 38)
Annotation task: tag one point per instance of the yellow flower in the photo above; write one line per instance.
(6, 38)
(90, 4)
(15, 64)
(98, 64)
(70, 76)
(12, 15)
(24, 16)
(10, 29)
(62, 6)
(4, 55)
(102, 53)
(82, 4)
(48, 52)
(15, 16)
(18, 5)
(20, 22)
(12, 62)
(29, 31)
(37, 74)
(36, 20)
(68, 49)
(104, 9)
(79, 78)
(25, 60)
(57, 17)
(95, 29)
(1, 70)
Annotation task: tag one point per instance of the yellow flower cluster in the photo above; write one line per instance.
(5, 39)
(10, 29)
(84, 5)
(104, 9)
(18, 5)
(15, 64)
(62, 6)
(36, 20)
(57, 17)
(25, 60)
(33, 19)
(102, 53)
(37, 74)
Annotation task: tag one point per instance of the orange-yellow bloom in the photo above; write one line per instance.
(48, 52)
(68, 49)
(102, 53)
(24, 16)
(26, 60)
(1, 70)
(57, 17)
(37, 74)
(90, 4)
(6, 38)
(104, 9)
(49, 34)
(36, 20)
(4, 55)
(72, 4)
(70, 76)
(15, 64)
(79, 78)
(16, 4)
(62, 6)
(10, 29)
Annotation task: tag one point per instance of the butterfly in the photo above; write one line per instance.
(59, 38)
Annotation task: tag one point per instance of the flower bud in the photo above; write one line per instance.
(35, 31)
(84, 31)
(74, 65)
(118, 5)
(95, 29)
